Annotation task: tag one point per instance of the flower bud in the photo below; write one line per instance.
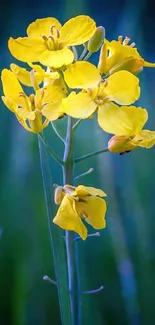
(121, 143)
(96, 41)
(132, 64)
(58, 195)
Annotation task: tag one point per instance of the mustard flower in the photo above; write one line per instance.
(48, 42)
(128, 130)
(30, 110)
(122, 88)
(77, 204)
(119, 55)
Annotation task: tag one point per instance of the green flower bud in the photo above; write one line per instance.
(95, 43)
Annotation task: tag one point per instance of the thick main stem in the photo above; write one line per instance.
(68, 171)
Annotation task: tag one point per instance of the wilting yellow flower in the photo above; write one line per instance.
(30, 110)
(35, 77)
(122, 87)
(48, 41)
(119, 55)
(127, 125)
(77, 203)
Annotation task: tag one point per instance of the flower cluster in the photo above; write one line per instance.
(64, 83)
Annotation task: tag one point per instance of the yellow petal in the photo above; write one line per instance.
(68, 218)
(82, 74)
(11, 86)
(79, 105)
(22, 74)
(122, 88)
(52, 111)
(27, 49)
(42, 27)
(145, 139)
(77, 30)
(93, 210)
(51, 94)
(82, 190)
(121, 120)
(56, 59)
(9, 103)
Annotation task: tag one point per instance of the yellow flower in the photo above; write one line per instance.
(48, 41)
(119, 55)
(35, 77)
(77, 203)
(29, 110)
(127, 125)
(122, 87)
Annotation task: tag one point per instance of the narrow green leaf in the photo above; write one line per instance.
(57, 240)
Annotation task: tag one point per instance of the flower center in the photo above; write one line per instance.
(52, 41)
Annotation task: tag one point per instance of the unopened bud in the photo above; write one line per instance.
(121, 143)
(58, 195)
(95, 43)
(132, 64)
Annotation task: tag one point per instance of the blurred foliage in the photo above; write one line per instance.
(123, 258)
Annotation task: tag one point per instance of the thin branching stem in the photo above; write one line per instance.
(83, 53)
(57, 132)
(92, 154)
(49, 149)
(77, 124)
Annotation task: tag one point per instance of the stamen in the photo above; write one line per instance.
(52, 29)
(133, 44)
(126, 40)
(45, 38)
(120, 39)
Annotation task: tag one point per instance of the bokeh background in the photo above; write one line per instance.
(123, 257)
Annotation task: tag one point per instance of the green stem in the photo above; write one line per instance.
(92, 154)
(49, 149)
(77, 124)
(87, 56)
(68, 171)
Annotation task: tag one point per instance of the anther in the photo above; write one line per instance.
(133, 44)
(126, 40)
(45, 38)
(120, 39)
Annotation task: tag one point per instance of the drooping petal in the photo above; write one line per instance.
(42, 27)
(37, 124)
(121, 120)
(79, 105)
(145, 139)
(9, 103)
(68, 218)
(77, 30)
(82, 190)
(57, 59)
(11, 85)
(122, 87)
(82, 74)
(93, 210)
(27, 49)
(22, 74)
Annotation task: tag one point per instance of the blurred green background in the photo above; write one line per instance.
(123, 258)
